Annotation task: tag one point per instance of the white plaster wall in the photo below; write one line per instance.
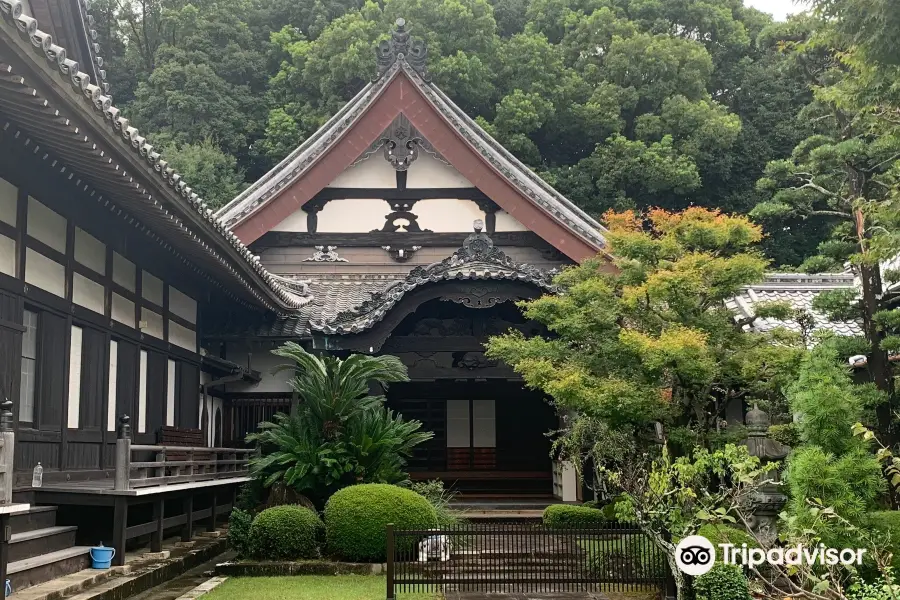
(123, 272)
(142, 393)
(153, 324)
(428, 172)
(296, 222)
(75, 358)
(7, 255)
(151, 288)
(44, 273)
(46, 226)
(113, 380)
(170, 393)
(374, 172)
(90, 252)
(507, 222)
(182, 305)
(353, 216)
(182, 336)
(264, 362)
(88, 294)
(123, 310)
(8, 202)
(447, 215)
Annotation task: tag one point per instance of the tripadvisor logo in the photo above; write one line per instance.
(695, 555)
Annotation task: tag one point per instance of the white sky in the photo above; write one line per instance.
(778, 8)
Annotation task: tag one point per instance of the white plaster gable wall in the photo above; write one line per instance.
(425, 172)
(295, 222)
(375, 172)
(352, 216)
(507, 222)
(429, 172)
(447, 215)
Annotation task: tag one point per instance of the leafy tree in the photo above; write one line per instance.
(213, 174)
(340, 434)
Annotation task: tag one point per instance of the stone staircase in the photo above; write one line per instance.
(41, 550)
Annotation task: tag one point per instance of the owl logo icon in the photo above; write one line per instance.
(695, 555)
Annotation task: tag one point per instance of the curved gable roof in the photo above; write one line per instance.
(403, 87)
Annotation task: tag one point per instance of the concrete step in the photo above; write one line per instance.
(35, 542)
(36, 517)
(44, 567)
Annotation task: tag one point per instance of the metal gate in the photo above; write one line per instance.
(516, 557)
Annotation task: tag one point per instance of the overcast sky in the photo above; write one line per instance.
(778, 8)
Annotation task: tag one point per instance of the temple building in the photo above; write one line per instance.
(135, 319)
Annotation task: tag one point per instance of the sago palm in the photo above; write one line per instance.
(340, 434)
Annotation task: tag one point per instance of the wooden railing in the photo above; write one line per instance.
(173, 464)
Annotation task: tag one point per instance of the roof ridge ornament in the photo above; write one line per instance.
(402, 46)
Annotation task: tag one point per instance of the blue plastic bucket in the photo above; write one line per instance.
(102, 556)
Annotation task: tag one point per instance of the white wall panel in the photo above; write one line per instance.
(182, 305)
(113, 381)
(46, 226)
(182, 336)
(142, 394)
(507, 222)
(7, 255)
(374, 172)
(458, 423)
(88, 293)
(153, 323)
(151, 288)
(123, 272)
(484, 425)
(352, 216)
(123, 310)
(447, 215)
(75, 360)
(44, 273)
(428, 172)
(90, 252)
(9, 195)
(170, 393)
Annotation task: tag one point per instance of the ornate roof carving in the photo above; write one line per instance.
(271, 294)
(477, 259)
(402, 46)
(401, 133)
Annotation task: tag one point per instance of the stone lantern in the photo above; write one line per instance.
(769, 500)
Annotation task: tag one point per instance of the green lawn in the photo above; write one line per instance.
(307, 587)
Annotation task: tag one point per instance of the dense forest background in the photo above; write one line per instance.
(618, 103)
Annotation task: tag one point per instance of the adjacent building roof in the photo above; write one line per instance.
(291, 183)
(798, 290)
(61, 110)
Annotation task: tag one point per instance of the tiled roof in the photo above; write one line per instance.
(798, 290)
(202, 231)
(411, 62)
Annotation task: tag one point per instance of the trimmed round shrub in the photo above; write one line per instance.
(568, 515)
(356, 518)
(239, 523)
(723, 582)
(286, 532)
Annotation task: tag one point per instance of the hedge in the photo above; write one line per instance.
(239, 523)
(356, 519)
(723, 582)
(568, 515)
(724, 534)
(285, 532)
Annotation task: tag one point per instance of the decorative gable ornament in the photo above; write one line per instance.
(325, 254)
(402, 46)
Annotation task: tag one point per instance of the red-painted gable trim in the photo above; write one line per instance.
(402, 95)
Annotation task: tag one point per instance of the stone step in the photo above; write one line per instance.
(36, 517)
(35, 542)
(44, 567)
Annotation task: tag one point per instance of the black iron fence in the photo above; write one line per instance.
(524, 557)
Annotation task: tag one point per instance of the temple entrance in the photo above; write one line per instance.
(489, 435)
(489, 430)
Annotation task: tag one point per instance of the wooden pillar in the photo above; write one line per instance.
(188, 531)
(156, 538)
(120, 529)
(123, 454)
(211, 526)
